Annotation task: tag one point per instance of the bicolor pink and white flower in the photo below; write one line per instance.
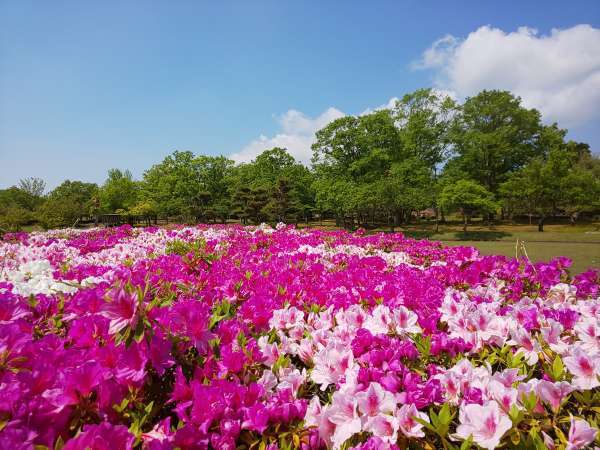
(584, 367)
(486, 424)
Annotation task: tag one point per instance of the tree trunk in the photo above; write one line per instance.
(541, 223)
(465, 222)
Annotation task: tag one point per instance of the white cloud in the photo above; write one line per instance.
(297, 135)
(557, 73)
(389, 105)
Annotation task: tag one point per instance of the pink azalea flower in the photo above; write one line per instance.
(585, 369)
(580, 434)
(121, 309)
(405, 320)
(553, 393)
(330, 365)
(102, 437)
(505, 396)
(485, 423)
(408, 425)
(526, 344)
(548, 441)
(375, 400)
(551, 334)
(344, 415)
(383, 426)
(319, 417)
(588, 330)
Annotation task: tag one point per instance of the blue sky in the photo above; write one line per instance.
(86, 86)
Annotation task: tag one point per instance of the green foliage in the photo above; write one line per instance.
(424, 155)
(67, 203)
(493, 135)
(468, 198)
(119, 192)
(189, 186)
(561, 181)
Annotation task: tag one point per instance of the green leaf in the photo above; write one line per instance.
(425, 424)
(466, 445)
(557, 368)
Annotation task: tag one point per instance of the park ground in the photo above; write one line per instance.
(580, 242)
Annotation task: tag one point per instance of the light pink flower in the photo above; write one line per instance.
(508, 377)
(485, 423)
(291, 379)
(580, 434)
(344, 414)
(319, 416)
(526, 344)
(375, 400)
(270, 352)
(408, 425)
(553, 393)
(585, 369)
(330, 365)
(551, 334)
(548, 441)
(380, 320)
(588, 331)
(505, 396)
(383, 426)
(405, 320)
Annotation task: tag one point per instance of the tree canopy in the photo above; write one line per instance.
(426, 155)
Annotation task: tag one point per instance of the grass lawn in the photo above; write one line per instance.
(580, 242)
(584, 255)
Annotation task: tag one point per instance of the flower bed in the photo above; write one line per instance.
(227, 337)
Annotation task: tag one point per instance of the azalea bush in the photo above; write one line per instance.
(231, 337)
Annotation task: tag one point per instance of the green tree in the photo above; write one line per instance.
(119, 192)
(67, 203)
(468, 198)
(493, 135)
(186, 185)
(273, 186)
(424, 119)
(558, 182)
(15, 209)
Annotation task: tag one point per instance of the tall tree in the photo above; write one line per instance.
(33, 186)
(493, 136)
(119, 192)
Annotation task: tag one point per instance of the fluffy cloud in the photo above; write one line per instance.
(557, 73)
(297, 135)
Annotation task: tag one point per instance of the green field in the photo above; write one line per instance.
(584, 255)
(580, 242)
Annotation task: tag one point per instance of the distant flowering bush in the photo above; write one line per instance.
(230, 337)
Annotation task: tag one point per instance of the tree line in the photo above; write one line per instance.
(488, 156)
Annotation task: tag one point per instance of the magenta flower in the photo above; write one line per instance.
(121, 309)
(102, 437)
